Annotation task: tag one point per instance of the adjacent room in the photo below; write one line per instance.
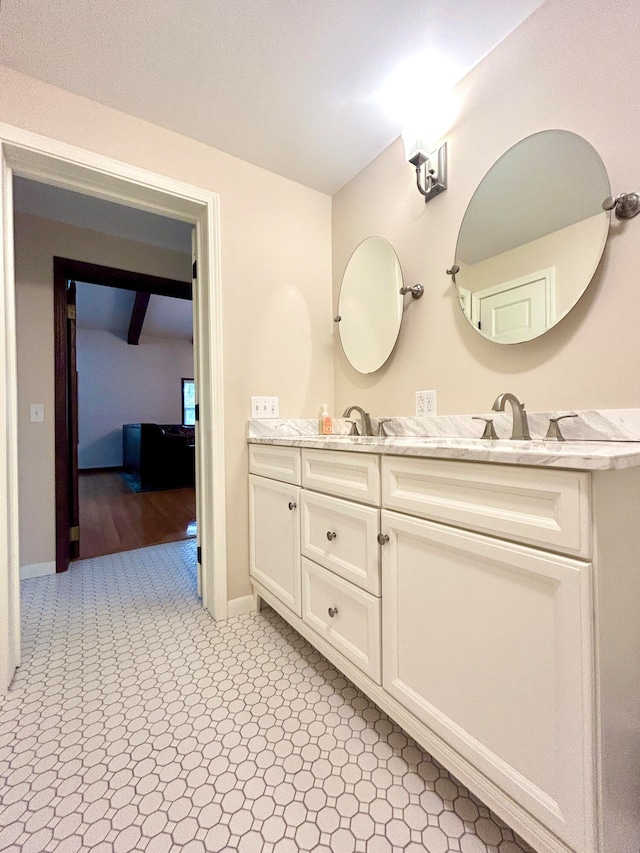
(136, 420)
(123, 410)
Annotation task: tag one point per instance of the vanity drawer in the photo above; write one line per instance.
(346, 475)
(343, 537)
(354, 628)
(547, 508)
(275, 462)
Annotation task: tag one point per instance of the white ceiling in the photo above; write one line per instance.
(104, 216)
(108, 309)
(289, 85)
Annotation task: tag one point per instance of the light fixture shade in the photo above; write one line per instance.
(416, 147)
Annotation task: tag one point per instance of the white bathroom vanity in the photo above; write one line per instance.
(486, 595)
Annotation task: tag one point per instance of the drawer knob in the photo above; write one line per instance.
(333, 611)
(330, 536)
(292, 505)
(383, 538)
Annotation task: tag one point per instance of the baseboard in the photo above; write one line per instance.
(37, 570)
(242, 605)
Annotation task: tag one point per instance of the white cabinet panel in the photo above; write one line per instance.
(275, 461)
(274, 558)
(345, 475)
(489, 644)
(343, 537)
(547, 508)
(345, 616)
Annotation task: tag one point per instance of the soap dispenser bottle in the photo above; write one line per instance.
(325, 420)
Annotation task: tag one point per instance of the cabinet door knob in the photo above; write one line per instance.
(331, 535)
(333, 611)
(383, 538)
(292, 505)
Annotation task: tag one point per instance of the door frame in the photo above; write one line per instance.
(50, 161)
(66, 409)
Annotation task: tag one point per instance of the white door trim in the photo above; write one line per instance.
(40, 158)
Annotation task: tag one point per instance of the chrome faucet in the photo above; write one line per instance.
(365, 419)
(520, 429)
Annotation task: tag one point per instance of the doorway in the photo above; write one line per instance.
(50, 161)
(167, 449)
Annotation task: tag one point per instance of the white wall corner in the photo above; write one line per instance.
(37, 570)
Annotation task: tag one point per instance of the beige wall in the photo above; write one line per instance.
(561, 69)
(275, 262)
(37, 241)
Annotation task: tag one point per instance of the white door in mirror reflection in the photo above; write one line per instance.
(517, 310)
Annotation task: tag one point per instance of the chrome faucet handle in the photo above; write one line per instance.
(382, 430)
(553, 433)
(353, 430)
(489, 429)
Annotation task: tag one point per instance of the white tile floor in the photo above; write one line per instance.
(137, 723)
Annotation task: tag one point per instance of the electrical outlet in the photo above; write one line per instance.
(265, 407)
(425, 403)
(36, 413)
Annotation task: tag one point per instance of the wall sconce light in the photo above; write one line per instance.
(431, 168)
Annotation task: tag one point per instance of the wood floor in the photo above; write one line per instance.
(113, 518)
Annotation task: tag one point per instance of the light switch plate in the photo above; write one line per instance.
(36, 413)
(265, 407)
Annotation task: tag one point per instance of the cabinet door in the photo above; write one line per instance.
(274, 558)
(489, 644)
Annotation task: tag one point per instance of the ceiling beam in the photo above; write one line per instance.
(96, 274)
(137, 317)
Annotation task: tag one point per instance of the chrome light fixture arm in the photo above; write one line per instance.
(434, 169)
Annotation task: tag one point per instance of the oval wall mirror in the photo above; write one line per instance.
(532, 236)
(370, 305)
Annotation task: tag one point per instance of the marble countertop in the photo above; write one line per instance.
(593, 455)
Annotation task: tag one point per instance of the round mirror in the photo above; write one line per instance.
(532, 236)
(370, 305)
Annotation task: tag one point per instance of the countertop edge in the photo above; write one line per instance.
(603, 456)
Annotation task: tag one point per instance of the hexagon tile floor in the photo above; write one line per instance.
(137, 723)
